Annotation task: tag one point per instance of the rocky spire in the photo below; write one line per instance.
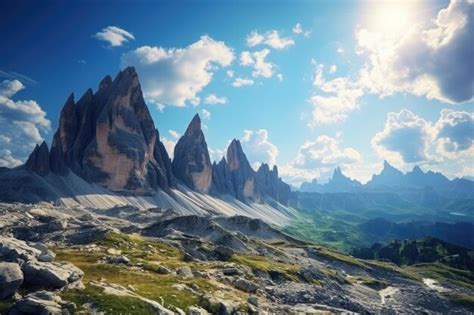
(109, 138)
(191, 163)
(38, 161)
(242, 174)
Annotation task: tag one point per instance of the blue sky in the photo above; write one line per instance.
(328, 82)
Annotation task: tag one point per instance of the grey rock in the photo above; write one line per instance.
(38, 161)
(196, 310)
(51, 275)
(11, 278)
(42, 303)
(185, 272)
(252, 299)
(245, 285)
(230, 271)
(117, 259)
(56, 225)
(223, 252)
(163, 270)
(109, 138)
(14, 250)
(191, 163)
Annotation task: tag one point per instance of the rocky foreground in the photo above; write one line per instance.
(126, 261)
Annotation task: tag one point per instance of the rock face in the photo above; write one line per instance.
(234, 176)
(38, 161)
(109, 138)
(269, 184)
(191, 162)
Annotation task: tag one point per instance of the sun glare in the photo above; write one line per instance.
(392, 18)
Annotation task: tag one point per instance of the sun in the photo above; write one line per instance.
(392, 18)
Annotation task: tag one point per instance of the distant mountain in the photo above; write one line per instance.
(391, 179)
(426, 250)
(107, 143)
(337, 183)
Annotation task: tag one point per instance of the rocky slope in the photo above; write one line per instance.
(87, 261)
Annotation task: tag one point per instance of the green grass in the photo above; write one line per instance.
(462, 299)
(444, 273)
(261, 263)
(110, 304)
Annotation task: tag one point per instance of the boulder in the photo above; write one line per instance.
(196, 310)
(51, 275)
(11, 278)
(245, 285)
(13, 250)
(185, 272)
(42, 303)
(117, 260)
(223, 253)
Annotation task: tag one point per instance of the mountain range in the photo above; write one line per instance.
(107, 144)
(391, 179)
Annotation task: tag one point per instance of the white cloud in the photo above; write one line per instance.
(455, 134)
(335, 98)
(271, 38)
(205, 114)
(175, 76)
(170, 142)
(340, 50)
(239, 82)
(431, 61)
(258, 148)
(114, 36)
(332, 68)
(324, 151)
(408, 139)
(298, 30)
(230, 73)
(21, 124)
(404, 139)
(217, 154)
(213, 99)
(280, 77)
(7, 159)
(318, 158)
(261, 68)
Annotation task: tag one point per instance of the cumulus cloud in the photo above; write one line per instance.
(433, 61)
(455, 133)
(324, 151)
(271, 38)
(170, 141)
(261, 67)
(114, 36)
(317, 159)
(409, 139)
(404, 138)
(239, 82)
(213, 99)
(258, 148)
(21, 124)
(176, 76)
(334, 99)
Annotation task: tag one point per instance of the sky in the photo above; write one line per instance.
(305, 85)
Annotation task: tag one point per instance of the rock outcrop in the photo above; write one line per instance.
(269, 184)
(191, 162)
(38, 161)
(11, 278)
(109, 138)
(235, 176)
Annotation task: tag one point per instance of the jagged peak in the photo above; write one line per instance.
(105, 82)
(88, 94)
(264, 168)
(417, 170)
(194, 125)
